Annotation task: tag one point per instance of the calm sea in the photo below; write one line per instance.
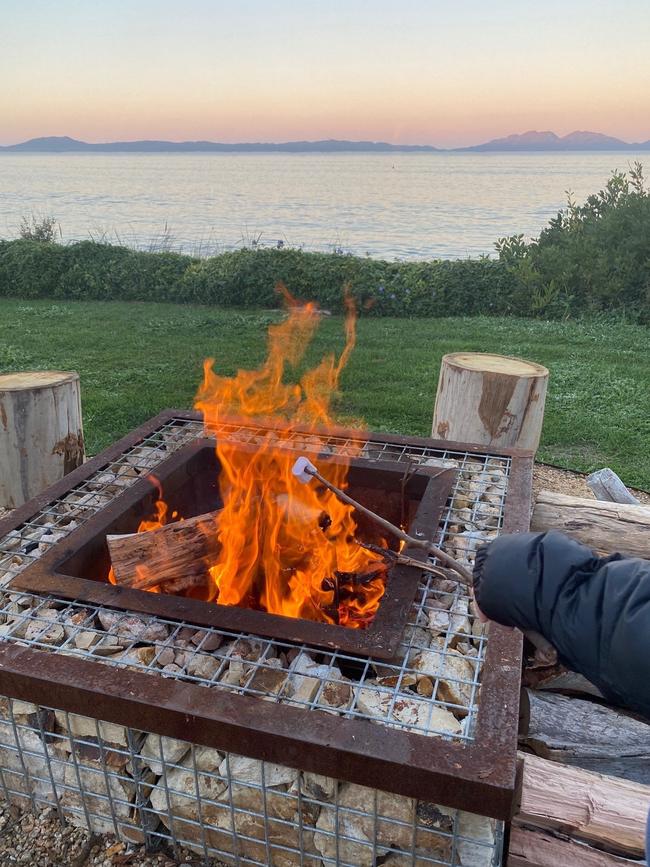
(385, 205)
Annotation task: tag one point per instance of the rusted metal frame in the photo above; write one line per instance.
(467, 777)
(381, 639)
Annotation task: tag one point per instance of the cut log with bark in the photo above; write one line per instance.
(490, 400)
(607, 486)
(176, 556)
(606, 527)
(41, 432)
(532, 847)
(587, 735)
(604, 811)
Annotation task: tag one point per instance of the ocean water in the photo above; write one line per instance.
(406, 206)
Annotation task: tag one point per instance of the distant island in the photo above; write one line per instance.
(528, 141)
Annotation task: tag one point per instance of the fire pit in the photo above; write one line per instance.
(237, 712)
(410, 495)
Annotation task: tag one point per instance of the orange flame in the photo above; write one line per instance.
(286, 547)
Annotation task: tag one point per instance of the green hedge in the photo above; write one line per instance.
(247, 278)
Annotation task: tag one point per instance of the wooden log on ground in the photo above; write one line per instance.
(531, 847)
(41, 432)
(607, 486)
(606, 527)
(176, 555)
(587, 735)
(604, 811)
(490, 400)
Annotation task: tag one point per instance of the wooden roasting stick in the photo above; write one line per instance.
(305, 471)
(176, 555)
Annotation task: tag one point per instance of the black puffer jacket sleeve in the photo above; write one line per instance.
(595, 611)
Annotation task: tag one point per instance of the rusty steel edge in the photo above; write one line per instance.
(479, 776)
(412, 765)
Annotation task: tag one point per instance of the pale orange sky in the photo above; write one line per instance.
(420, 71)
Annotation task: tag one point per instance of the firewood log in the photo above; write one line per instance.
(176, 555)
(607, 527)
(604, 811)
(587, 735)
(607, 486)
(532, 847)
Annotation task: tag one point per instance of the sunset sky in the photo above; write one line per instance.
(414, 71)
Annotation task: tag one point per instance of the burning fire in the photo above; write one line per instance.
(285, 547)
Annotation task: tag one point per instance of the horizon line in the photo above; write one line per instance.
(528, 140)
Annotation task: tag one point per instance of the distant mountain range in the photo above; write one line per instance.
(528, 141)
(549, 141)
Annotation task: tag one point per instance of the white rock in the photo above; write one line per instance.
(450, 668)
(87, 728)
(476, 840)
(305, 679)
(132, 628)
(45, 630)
(425, 716)
(181, 789)
(438, 620)
(86, 639)
(97, 789)
(173, 751)
(204, 666)
(246, 770)
(34, 756)
(208, 640)
(459, 622)
(363, 827)
(235, 672)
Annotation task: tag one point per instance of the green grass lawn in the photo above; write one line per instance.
(136, 359)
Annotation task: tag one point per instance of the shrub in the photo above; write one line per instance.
(591, 257)
(34, 229)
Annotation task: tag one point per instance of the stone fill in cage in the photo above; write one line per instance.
(263, 750)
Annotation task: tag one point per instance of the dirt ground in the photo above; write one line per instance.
(41, 841)
(567, 482)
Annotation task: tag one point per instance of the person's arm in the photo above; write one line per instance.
(594, 611)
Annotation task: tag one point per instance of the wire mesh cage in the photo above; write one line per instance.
(227, 808)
